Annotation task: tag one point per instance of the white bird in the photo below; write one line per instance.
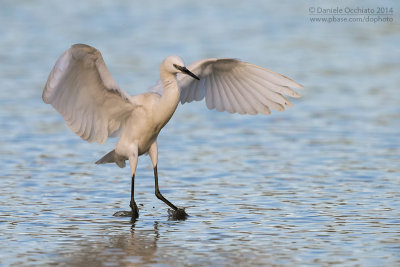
(94, 107)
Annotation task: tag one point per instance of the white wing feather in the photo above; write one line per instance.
(83, 91)
(235, 86)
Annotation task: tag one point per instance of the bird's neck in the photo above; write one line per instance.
(170, 97)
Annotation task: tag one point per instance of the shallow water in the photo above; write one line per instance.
(315, 185)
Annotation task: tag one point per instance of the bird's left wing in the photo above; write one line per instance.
(83, 91)
(236, 86)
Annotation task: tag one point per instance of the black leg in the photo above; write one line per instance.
(177, 213)
(134, 212)
(158, 194)
(132, 204)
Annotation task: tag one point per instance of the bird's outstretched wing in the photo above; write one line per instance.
(235, 86)
(83, 91)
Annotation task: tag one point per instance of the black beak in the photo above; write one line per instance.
(186, 71)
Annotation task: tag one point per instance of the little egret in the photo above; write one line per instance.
(94, 107)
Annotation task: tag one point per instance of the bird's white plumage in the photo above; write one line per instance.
(81, 88)
(235, 86)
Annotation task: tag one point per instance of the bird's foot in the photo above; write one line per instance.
(123, 213)
(133, 213)
(177, 215)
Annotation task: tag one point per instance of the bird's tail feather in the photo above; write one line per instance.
(111, 157)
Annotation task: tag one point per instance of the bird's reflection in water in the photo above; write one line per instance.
(138, 246)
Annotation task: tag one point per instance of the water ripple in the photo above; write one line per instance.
(316, 185)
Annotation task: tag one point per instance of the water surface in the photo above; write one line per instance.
(317, 184)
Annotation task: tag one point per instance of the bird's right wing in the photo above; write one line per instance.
(83, 91)
(236, 86)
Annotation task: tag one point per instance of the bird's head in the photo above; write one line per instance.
(174, 64)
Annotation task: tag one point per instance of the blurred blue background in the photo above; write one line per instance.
(317, 184)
